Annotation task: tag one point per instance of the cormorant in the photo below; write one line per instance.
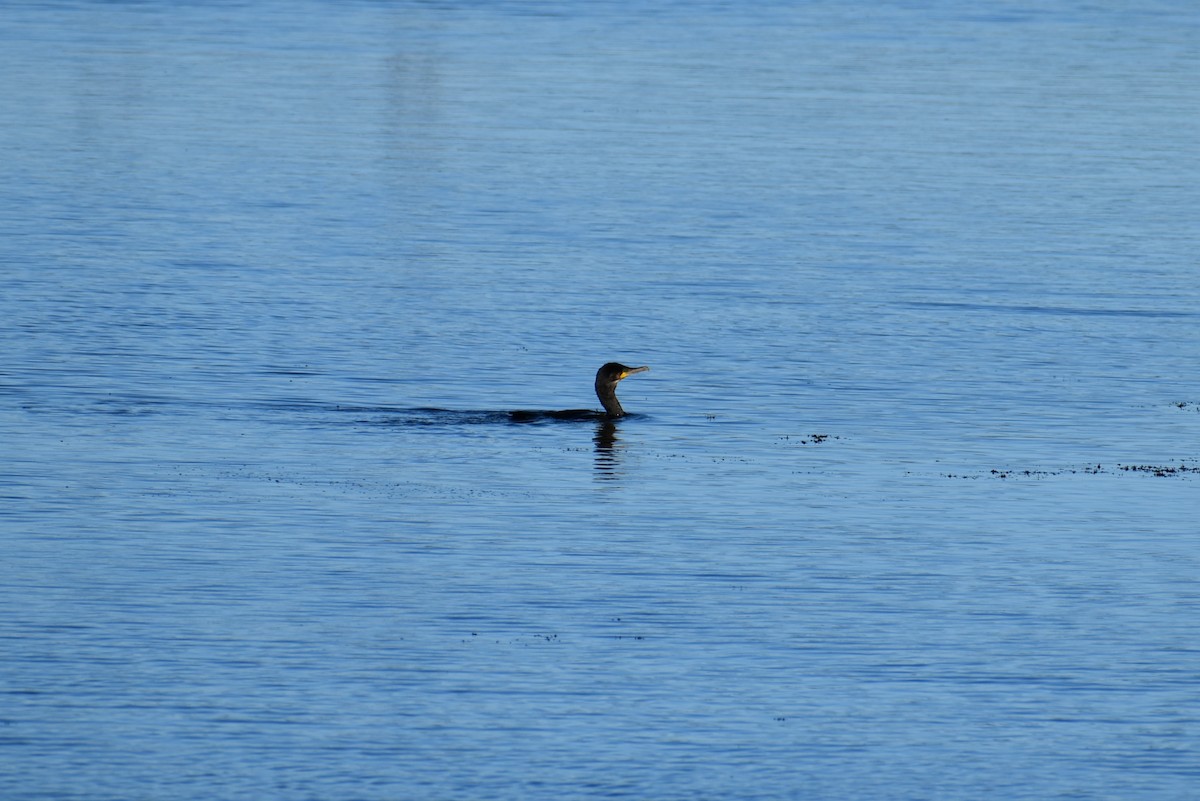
(606, 386)
(606, 390)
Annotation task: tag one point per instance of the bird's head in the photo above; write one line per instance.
(611, 373)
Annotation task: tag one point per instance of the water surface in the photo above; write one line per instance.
(907, 505)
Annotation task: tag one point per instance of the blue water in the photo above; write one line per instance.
(907, 505)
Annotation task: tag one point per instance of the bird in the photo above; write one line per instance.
(606, 386)
(606, 390)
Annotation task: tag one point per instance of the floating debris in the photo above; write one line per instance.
(809, 439)
(1162, 471)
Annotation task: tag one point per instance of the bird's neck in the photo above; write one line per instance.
(608, 398)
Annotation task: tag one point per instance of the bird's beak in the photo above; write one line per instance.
(631, 371)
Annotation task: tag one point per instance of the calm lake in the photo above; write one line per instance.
(907, 506)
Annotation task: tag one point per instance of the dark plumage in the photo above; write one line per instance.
(606, 390)
(606, 386)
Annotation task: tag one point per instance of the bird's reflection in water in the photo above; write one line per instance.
(608, 453)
